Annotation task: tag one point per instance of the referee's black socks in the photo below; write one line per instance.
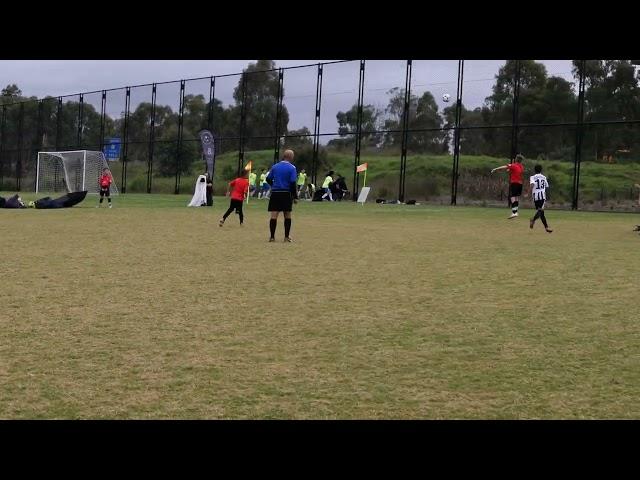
(273, 223)
(287, 227)
(514, 207)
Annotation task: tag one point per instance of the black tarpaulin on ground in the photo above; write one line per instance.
(65, 201)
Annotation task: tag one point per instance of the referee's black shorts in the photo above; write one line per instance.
(516, 189)
(280, 201)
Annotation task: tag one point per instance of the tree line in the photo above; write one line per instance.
(611, 94)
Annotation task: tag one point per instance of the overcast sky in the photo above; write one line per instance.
(340, 81)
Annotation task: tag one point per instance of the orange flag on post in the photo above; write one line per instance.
(363, 168)
(247, 168)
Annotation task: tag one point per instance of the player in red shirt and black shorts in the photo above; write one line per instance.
(105, 184)
(516, 172)
(240, 187)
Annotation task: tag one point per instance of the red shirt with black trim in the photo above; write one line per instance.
(239, 187)
(105, 180)
(515, 172)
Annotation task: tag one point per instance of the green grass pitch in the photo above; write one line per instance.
(150, 310)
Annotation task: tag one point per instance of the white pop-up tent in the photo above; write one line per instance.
(200, 196)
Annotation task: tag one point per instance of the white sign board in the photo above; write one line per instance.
(363, 194)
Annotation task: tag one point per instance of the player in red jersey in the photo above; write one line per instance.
(239, 188)
(516, 172)
(105, 186)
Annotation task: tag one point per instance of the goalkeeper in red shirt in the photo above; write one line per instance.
(239, 188)
(105, 184)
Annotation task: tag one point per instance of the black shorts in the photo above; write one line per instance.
(280, 202)
(237, 204)
(539, 204)
(515, 189)
(105, 191)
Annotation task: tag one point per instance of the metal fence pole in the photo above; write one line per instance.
(20, 146)
(405, 126)
(180, 129)
(152, 138)
(316, 127)
(276, 146)
(125, 138)
(356, 159)
(456, 135)
(39, 134)
(3, 123)
(514, 110)
(103, 113)
(579, 137)
(212, 96)
(58, 123)
(80, 120)
(242, 122)
(40, 126)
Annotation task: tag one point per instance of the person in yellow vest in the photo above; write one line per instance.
(302, 180)
(264, 186)
(326, 186)
(252, 183)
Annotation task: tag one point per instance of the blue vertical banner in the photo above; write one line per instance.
(112, 149)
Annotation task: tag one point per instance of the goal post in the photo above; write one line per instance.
(71, 171)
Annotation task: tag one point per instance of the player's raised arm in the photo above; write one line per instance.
(503, 167)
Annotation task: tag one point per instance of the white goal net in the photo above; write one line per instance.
(74, 171)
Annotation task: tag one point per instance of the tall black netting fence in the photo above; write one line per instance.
(429, 130)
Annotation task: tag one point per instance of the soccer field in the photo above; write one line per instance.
(150, 310)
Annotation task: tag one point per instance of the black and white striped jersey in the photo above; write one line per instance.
(539, 185)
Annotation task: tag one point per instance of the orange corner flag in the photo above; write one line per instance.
(361, 168)
(248, 166)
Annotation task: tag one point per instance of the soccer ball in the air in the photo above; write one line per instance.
(446, 97)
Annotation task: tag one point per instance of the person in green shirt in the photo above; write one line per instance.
(252, 183)
(302, 180)
(326, 185)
